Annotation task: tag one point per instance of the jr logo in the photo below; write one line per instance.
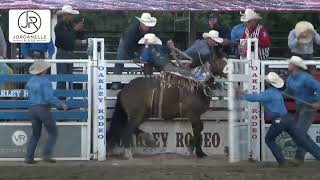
(19, 138)
(29, 22)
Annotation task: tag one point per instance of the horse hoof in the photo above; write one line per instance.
(200, 154)
(128, 154)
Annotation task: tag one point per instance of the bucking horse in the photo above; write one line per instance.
(167, 97)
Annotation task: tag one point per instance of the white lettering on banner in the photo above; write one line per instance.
(101, 107)
(182, 139)
(14, 93)
(254, 110)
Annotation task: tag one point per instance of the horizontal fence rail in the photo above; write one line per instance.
(14, 104)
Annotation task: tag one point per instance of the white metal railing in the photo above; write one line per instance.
(86, 125)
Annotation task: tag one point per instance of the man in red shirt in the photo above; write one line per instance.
(255, 30)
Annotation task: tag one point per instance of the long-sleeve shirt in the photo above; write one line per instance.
(146, 55)
(28, 48)
(157, 55)
(237, 32)
(263, 36)
(298, 48)
(66, 36)
(128, 44)
(272, 101)
(202, 47)
(40, 92)
(303, 87)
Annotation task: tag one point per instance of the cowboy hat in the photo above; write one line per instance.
(297, 61)
(67, 9)
(152, 39)
(39, 66)
(306, 28)
(147, 20)
(249, 15)
(213, 35)
(274, 79)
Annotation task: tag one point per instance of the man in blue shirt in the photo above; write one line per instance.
(205, 49)
(41, 98)
(236, 34)
(273, 103)
(37, 50)
(306, 92)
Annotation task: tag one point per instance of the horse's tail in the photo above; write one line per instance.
(118, 121)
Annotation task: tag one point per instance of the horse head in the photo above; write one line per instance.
(216, 68)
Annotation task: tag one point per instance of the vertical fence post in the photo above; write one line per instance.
(234, 151)
(254, 108)
(99, 94)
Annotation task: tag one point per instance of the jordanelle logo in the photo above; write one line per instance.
(29, 26)
(19, 138)
(29, 22)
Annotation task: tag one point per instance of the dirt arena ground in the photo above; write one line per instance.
(157, 167)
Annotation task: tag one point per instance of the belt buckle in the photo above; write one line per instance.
(277, 121)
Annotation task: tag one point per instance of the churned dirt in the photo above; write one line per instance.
(158, 167)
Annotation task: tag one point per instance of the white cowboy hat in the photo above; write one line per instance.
(297, 61)
(147, 19)
(213, 35)
(248, 15)
(39, 66)
(152, 39)
(307, 28)
(274, 79)
(67, 9)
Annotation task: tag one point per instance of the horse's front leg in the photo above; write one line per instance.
(196, 141)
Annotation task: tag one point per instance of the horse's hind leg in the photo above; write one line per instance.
(127, 139)
(132, 125)
(196, 141)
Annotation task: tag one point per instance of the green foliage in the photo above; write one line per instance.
(119, 20)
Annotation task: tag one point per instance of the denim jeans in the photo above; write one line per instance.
(42, 115)
(299, 136)
(304, 118)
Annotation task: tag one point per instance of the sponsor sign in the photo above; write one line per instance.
(19, 138)
(14, 141)
(29, 26)
(174, 137)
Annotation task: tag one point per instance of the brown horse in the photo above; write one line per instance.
(139, 99)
